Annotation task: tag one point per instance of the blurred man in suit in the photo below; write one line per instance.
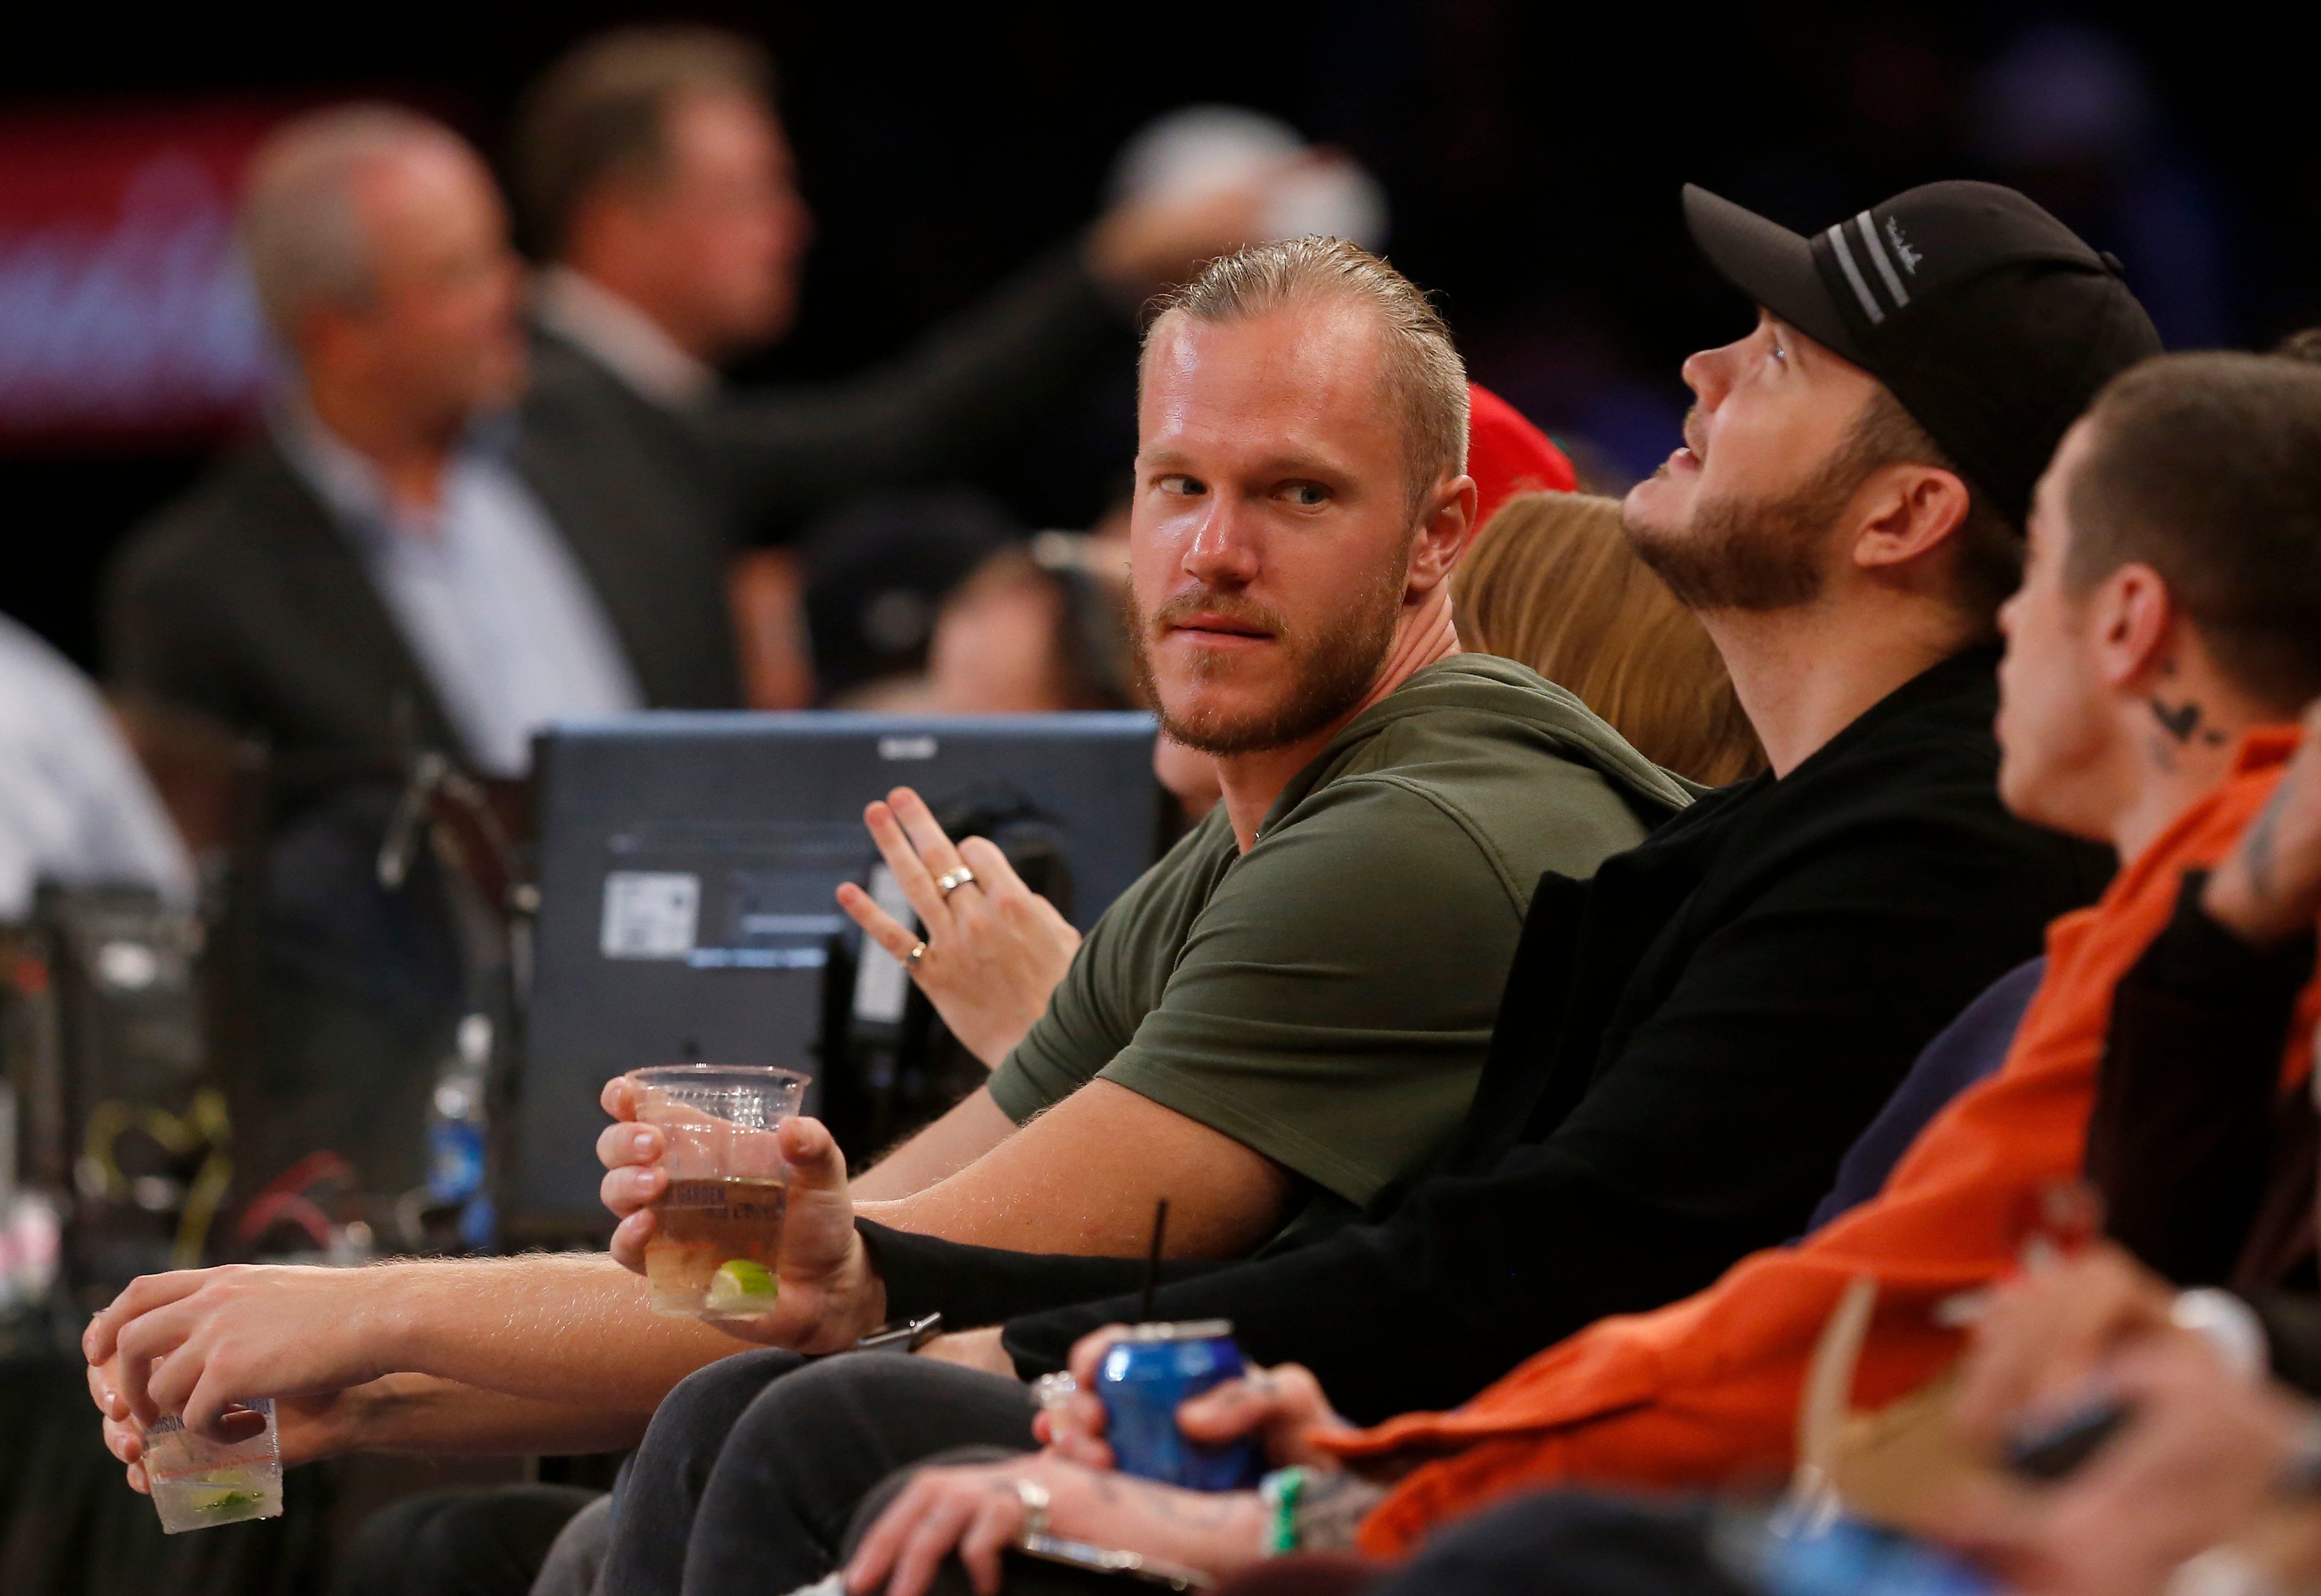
(374, 572)
(652, 175)
(398, 560)
(376, 567)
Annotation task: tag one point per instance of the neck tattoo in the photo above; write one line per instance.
(2182, 723)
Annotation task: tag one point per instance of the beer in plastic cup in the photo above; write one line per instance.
(718, 1227)
(198, 1484)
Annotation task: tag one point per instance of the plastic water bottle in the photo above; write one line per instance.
(457, 1132)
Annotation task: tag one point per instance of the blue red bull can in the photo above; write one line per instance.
(1143, 1377)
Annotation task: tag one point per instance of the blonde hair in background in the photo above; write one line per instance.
(1425, 380)
(1553, 584)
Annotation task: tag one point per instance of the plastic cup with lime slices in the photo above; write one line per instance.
(199, 1482)
(716, 1243)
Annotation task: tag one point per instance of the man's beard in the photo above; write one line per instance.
(1329, 674)
(1758, 557)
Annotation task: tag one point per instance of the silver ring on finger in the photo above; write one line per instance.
(951, 881)
(1053, 1393)
(915, 954)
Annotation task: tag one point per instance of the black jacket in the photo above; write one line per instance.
(2205, 1168)
(2199, 1159)
(243, 602)
(1686, 1048)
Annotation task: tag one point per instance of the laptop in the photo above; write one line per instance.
(687, 867)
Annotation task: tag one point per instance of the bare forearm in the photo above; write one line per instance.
(563, 1330)
(421, 1414)
(1061, 1185)
(972, 1128)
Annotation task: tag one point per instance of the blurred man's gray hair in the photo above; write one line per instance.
(1425, 380)
(302, 226)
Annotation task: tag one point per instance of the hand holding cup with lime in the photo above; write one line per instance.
(199, 1482)
(717, 1230)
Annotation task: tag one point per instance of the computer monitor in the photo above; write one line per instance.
(688, 868)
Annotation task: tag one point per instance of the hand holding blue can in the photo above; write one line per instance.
(1146, 1373)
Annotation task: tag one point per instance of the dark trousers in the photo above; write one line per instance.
(754, 1468)
(758, 1475)
(458, 1543)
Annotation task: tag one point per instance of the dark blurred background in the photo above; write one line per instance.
(1531, 154)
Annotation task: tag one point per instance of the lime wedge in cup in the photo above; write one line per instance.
(740, 1286)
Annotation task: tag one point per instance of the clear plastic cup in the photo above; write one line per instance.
(199, 1483)
(718, 1232)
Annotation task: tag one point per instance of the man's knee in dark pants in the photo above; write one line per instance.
(662, 1485)
(798, 1464)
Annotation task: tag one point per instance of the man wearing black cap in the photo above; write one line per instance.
(1751, 984)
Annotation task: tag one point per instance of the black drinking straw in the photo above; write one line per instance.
(1152, 1258)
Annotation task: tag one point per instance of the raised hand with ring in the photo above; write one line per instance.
(986, 959)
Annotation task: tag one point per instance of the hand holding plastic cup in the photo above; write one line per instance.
(198, 1484)
(717, 1230)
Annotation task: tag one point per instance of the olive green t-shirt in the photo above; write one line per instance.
(1326, 997)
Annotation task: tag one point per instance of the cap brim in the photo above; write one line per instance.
(1772, 265)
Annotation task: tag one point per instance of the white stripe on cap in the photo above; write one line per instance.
(1854, 275)
(1878, 254)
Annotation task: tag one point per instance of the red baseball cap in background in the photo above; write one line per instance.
(1506, 454)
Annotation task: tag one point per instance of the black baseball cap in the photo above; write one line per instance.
(1991, 322)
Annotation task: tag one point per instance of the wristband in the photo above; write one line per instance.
(1280, 1491)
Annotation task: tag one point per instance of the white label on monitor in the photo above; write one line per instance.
(880, 982)
(650, 913)
(906, 748)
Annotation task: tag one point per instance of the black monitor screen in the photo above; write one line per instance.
(688, 868)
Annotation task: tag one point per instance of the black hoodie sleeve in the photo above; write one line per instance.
(2179, 1141)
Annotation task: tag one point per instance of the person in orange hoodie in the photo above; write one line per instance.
(2167, 634)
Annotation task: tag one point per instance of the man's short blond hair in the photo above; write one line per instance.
(301, 228)
(1424, 379)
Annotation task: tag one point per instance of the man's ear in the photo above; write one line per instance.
(2132, 621)
(1443, 534)
(1909, 510)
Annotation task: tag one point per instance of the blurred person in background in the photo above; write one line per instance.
(374, 569)
(1506, 454)
(652, 174)
(375, 572)
(878, 571)
(1029, 632)
(75, 808)
(1553, 582)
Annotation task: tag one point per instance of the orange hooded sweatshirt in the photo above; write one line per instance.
(1704, 1391)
